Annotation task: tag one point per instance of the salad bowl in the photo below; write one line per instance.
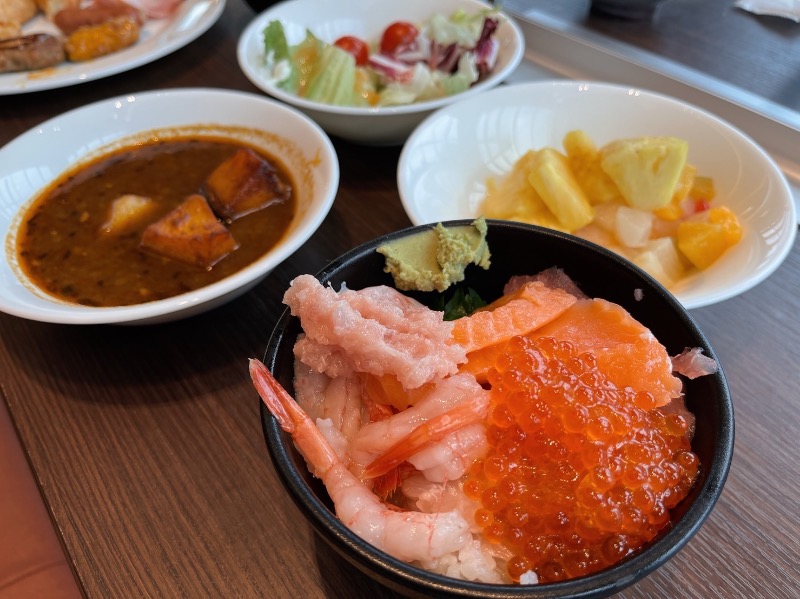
(518, 249)
(366, 20)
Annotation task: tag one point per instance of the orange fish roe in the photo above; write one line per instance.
(579, 473)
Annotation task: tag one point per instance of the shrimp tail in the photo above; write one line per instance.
(275, 397)
(305, 434)
(386, 484)
(427, 434)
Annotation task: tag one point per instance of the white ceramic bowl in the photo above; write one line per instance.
(331, 19)
(30, 162)
(446, 162)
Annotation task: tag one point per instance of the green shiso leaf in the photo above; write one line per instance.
(462, 303)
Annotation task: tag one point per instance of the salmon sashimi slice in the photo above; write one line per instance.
(626, 351)
(480, 361)
(527, 308)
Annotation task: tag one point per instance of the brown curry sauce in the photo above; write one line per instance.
(63, 251)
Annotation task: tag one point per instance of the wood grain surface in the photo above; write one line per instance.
(146, 441)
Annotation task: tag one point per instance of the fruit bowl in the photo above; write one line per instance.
(446, 163)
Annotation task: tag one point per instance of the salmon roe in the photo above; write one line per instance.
(579, 473)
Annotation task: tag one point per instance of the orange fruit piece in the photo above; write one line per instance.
(626, 351)
(529, 307)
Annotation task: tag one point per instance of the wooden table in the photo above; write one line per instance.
(147, 445)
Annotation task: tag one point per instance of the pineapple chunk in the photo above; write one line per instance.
(584, 158)
(705, 238)
(645, 169)
(514, 198)
(632, 227)
(674, 210)
(552, 178)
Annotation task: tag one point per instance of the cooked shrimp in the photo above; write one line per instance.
(408, 536)
(456, 402)
(478, 560)
(451, 458)
(338, 399)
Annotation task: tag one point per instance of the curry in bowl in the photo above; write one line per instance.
(154, 219)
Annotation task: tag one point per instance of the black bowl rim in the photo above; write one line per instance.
(406, 577)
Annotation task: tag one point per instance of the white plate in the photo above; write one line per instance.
(34, 159)
(158, 38)
(366, 19)
(445, 163)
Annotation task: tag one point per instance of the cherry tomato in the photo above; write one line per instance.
(397, 37)
(358, 48)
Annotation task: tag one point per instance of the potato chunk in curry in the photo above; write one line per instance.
(244, 183)
(126, 212)
(190, 233)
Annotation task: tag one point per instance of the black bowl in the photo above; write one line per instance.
(523, 249)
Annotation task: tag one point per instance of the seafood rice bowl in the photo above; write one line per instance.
(436, 484)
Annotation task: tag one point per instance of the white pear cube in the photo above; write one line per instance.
(632, 226)
(660, 259)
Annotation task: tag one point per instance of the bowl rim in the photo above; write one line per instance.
(404, 576)
(62, 312)
(496, 76)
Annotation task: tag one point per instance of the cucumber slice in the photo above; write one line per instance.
(334, 79)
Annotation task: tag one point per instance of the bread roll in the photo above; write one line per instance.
(16, 11)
